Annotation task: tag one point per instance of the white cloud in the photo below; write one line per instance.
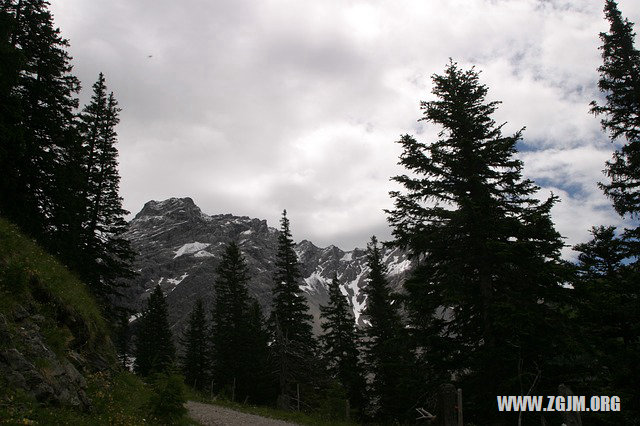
(254, 106)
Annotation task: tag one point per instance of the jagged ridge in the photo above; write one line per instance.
(179, 248)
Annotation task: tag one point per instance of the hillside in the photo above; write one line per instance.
(57, 362)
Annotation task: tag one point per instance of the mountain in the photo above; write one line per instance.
(179, 248)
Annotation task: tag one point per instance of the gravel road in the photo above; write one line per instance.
(213, 415)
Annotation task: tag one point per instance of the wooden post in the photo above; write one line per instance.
(460, 422)
(298, 392)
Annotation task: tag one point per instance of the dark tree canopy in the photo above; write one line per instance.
(155, 351)
(37, 132)
(487, 251)
(238, 338)
(105, 254)
(620, 83)
(340, 345)
(389, 361)
(60, 180)
(196, 359)
(608, 313)
(290, 322)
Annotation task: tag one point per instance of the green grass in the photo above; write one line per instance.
(30, 276)
(121, 400)
(70, 319)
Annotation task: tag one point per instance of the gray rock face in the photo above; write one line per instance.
(53, 380)
(179, 248)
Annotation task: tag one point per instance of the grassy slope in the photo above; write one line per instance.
(25, 268)
(31, 277)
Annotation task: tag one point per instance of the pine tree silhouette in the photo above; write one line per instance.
(196, 361)
(155, 351)
(290, 322)
(389, 360)
(340, 345)
(487, 251)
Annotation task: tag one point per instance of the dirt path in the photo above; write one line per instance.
(213, 415)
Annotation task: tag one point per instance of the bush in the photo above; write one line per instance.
(168, 399)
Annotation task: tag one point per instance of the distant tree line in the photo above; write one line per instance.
(59, 165)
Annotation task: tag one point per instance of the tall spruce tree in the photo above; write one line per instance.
(196, 359)
(38, 131)
(489, 268)
(290, 323)
(260, 366)
(46, 187)
(238, 339)
(620, 82)
(608, 312)
(610, 266)
(340, 344)
(389, 360)
(155, 351)
(105, 255)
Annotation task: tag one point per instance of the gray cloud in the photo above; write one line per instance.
(254, 106)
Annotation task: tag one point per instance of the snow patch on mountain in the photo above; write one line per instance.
(174, 282)
(313, 282)
(358, 305)
(148, 218)
(191, 248)
(203, 253)
(396, 267)
(348, 257)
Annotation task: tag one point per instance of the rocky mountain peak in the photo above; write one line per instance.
(179, 248)
(172, 208)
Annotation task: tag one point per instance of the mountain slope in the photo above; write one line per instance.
(179, 248)
(51, 332)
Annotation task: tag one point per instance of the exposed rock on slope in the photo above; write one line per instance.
(51, 332)
(179, 248)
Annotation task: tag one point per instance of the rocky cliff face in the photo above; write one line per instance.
(179, 248)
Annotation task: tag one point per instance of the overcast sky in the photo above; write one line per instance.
(253, 106)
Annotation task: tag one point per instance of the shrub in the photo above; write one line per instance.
(168, 399)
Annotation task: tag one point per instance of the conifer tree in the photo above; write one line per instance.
(489, 268)
(388, 356)
(238, 340)
(609, 314)
(77, 215)
(38, 132)
(196, 360)
(106, 254)
(155, 351)
(340, 344)
(290, 322)
(122, 336)
(259, 365)
(620, 82)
